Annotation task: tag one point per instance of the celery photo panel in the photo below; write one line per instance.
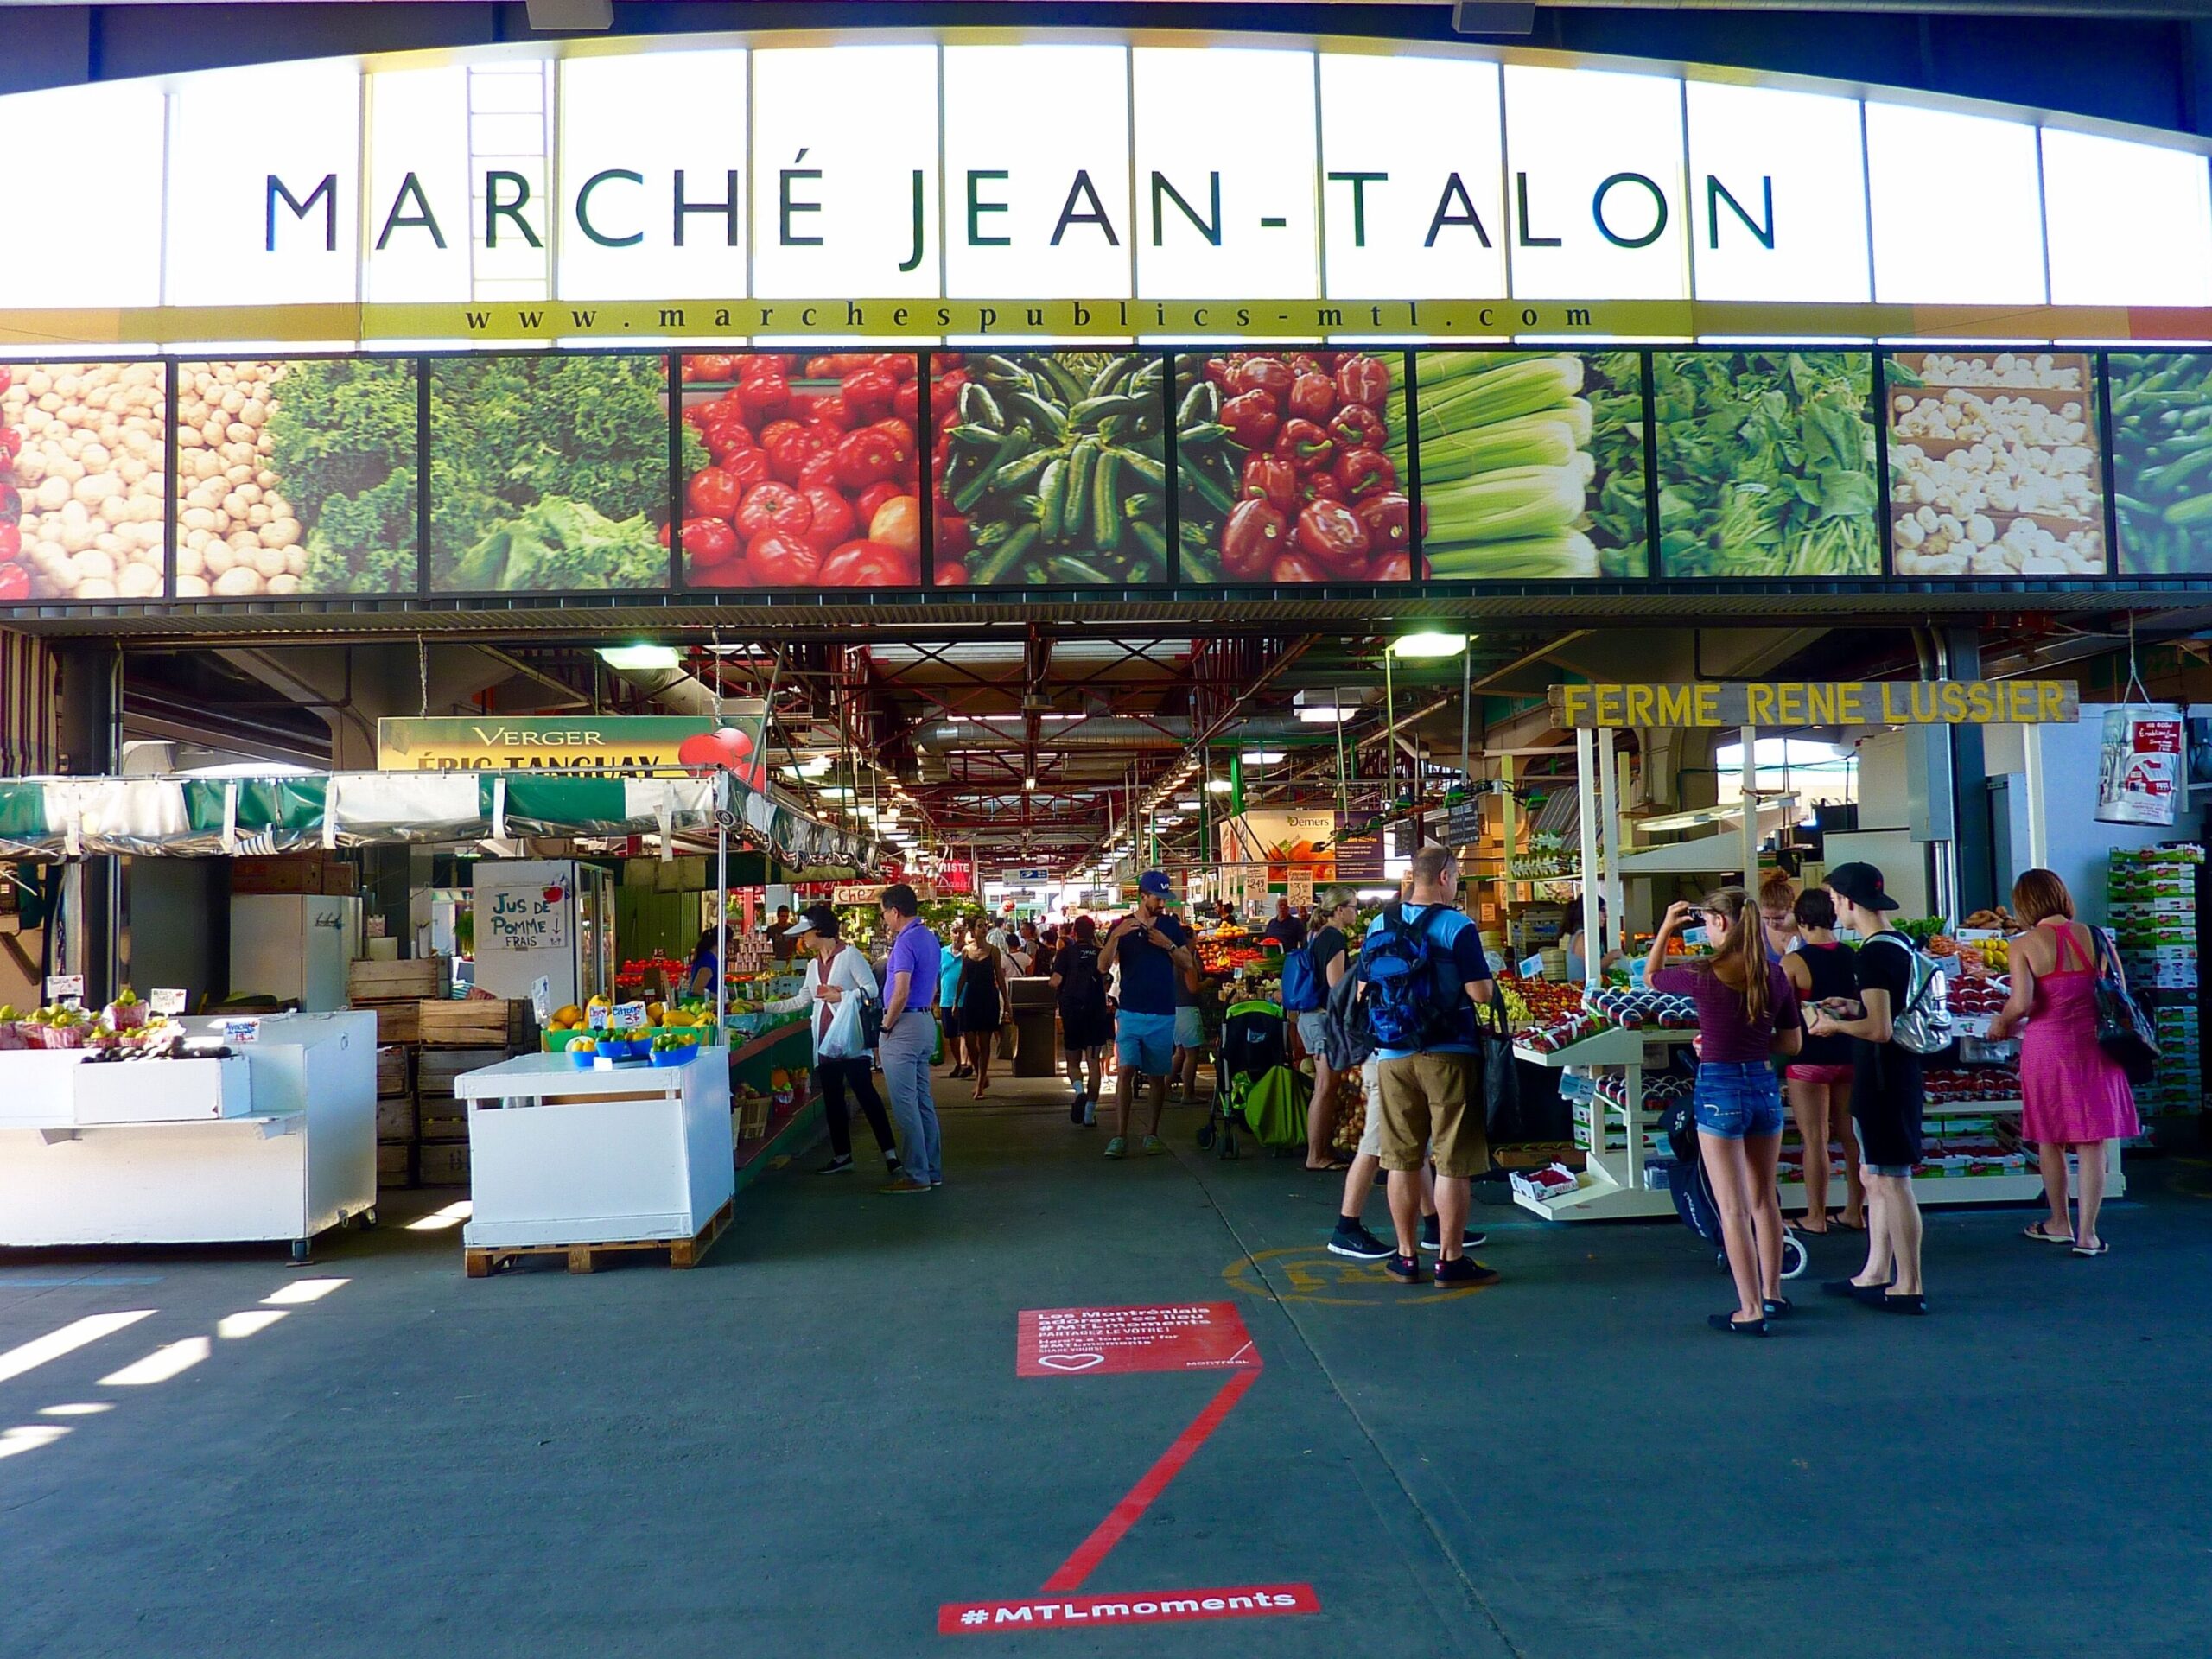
(1531, 465)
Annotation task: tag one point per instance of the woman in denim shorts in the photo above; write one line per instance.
(1746, 1014)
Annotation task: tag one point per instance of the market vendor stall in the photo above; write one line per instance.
(575, 1160)
(274, 1138)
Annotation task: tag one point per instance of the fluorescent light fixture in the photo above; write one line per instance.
(1186, 806)
(1325, 714)
(1217, 786)
(1264, 757)
(1028, 783)
(1417, 645)
(634, 656)
(835, 794)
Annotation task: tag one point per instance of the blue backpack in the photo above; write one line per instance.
(1302, 990)
(1414, 1000)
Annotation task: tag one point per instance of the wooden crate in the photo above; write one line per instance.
(395, 1165)
(442, 1120)
(372, 979)
(479, 1022)
(397, 1022)
(441, 1165)
(395, 1070)
(436, 1068)
(396, 1119)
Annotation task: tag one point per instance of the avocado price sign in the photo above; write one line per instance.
(1818, 702)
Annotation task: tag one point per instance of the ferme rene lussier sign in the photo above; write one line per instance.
(1080, 166)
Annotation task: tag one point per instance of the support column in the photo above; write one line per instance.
(91, 907)
(1977, 854)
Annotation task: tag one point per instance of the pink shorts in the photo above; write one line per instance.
(1829, 1075)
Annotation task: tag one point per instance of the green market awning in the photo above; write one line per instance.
(70, 817)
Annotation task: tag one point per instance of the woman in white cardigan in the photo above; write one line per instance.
(838, 970)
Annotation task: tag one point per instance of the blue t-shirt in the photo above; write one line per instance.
(1452, 931)
(948, 977)
(1148, 971)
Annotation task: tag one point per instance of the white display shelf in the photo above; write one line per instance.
(300, 1160)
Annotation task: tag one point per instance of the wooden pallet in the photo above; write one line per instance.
(584, 1258)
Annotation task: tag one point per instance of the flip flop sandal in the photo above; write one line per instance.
(2042, 1236)
(2098, 1248)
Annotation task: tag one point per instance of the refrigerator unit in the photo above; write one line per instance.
(294, 947)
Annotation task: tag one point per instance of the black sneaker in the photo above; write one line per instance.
(1464, 1270)
(1406, 1270)
(1431, 1239)
(1075, 1110)
(837, 1165)
(1358, 1243)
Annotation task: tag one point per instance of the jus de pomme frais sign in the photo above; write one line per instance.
(1065, 184)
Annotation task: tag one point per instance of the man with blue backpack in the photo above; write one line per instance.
(1421, 972)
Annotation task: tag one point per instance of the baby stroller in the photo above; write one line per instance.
(1692, 1190)
(1257, 1088)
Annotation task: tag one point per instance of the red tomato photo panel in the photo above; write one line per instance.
(1291, 467)
(83, 489)
(802, 470)
(1049, 468)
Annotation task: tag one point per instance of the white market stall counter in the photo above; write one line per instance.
(1614, 1184)
(570, 1161)
(276, 1143)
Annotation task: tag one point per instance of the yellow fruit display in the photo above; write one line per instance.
(569, 1015)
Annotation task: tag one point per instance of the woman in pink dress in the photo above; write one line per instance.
(2075, 1095)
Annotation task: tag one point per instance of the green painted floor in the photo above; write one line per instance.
(809, 1444)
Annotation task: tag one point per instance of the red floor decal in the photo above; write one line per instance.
(1080, 1613)
(1088, 1341)
(1178, 1337)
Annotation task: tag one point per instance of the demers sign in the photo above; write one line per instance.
(1818, 702)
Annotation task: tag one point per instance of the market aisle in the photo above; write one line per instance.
(809, 1444)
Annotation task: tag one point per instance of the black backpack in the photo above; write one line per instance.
(1083, 988)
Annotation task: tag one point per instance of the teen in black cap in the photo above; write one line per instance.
(1887, 1095)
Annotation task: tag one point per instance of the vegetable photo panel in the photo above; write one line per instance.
(548, 473)
(1531, 465)
(1766, 464)
(82, 481)
(295, 478)
(2162, 461)
(1290, 466)
(800, 470)
(1049, 468)
(1994, 469)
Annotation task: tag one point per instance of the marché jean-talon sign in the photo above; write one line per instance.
(1818, 702)
(1129, 168)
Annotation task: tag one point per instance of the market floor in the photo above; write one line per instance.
(814, 1441)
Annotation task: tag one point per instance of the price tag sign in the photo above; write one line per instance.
(238, 1032)
(595, 1016)
(168, 1001)
(627, 1016)
(64, 991)
(540, 998)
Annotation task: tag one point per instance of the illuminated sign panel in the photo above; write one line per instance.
(1085, 166)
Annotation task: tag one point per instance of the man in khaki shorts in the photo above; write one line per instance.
(1425, 1071)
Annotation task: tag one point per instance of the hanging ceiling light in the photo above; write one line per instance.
(1219, 785)
(640, 657)
(1421, 645)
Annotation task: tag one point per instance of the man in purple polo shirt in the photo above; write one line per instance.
(910, 983)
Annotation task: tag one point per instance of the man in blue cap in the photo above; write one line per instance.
(1152, 948)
